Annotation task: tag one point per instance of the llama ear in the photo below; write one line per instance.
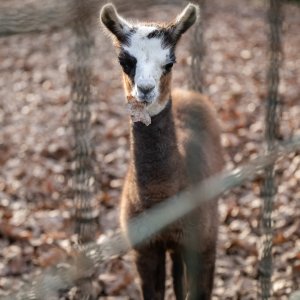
(119, 27)
(184, 20)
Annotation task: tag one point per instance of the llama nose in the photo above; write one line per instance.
(145, 89)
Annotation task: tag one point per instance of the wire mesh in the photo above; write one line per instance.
(17, 17)
(272, 123)
(88, 257)
(31, 17)
(86, 206)
(197, 49)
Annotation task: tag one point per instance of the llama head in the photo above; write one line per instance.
(147, 53)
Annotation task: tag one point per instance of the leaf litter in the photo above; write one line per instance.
(36, 230)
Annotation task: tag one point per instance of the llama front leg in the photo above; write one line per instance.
(178, 274)
(200, 271)
(150, 262)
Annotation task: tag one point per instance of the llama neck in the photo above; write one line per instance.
(154, 151)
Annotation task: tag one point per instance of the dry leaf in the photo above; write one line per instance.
(138, 111)
(51, 257)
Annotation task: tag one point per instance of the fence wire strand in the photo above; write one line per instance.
(272, 126)
(197, 50)
(86, 207)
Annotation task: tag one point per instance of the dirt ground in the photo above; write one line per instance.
(35, 150)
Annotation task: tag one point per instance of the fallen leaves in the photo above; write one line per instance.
(138, 111)
(36, 151)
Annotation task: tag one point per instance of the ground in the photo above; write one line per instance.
(36, 146)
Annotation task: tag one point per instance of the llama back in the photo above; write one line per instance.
(198, 134)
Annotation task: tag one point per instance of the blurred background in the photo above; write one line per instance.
(36, 138)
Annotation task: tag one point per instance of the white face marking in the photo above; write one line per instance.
(151, 58)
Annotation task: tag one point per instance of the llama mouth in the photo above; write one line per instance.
(146, 103)
(145, 100)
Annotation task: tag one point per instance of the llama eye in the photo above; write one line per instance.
(128, 66)
(168, 67)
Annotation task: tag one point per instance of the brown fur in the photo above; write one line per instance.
(180, 148)
(164, 87)
(127, 84)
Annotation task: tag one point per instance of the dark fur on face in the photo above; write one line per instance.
(171, 33)
(165, 34)
(128, 63)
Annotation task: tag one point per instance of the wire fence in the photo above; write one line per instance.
(197, 49)
(33, 16)
(18, 17)
(88, 257)
(272, 125)
(86, 207)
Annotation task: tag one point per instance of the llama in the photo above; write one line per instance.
(178, 149)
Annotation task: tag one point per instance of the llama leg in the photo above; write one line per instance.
(178, 275)
(150, 262)
(200, 269)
